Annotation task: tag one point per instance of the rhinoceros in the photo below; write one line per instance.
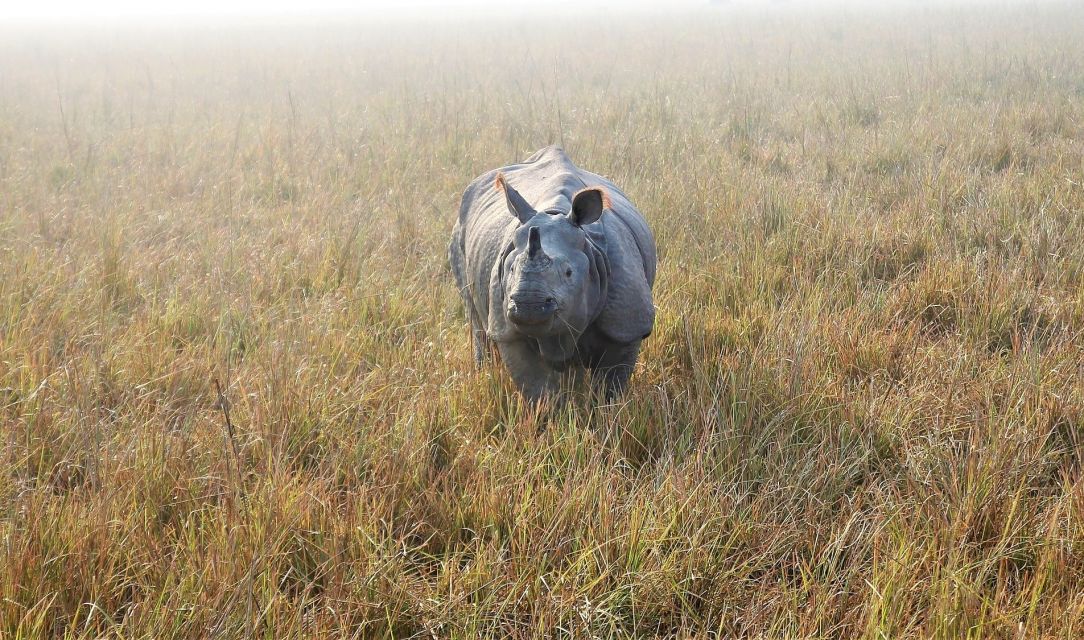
(555, 265)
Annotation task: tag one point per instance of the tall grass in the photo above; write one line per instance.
(860, 414)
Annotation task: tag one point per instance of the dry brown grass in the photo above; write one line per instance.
(860, 414)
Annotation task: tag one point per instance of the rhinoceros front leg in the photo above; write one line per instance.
(536, 379)
(614, 368)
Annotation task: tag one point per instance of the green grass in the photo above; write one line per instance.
(860, 415)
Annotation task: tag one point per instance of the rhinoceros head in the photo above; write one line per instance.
(552, 278)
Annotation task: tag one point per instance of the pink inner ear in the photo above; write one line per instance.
(606, 204)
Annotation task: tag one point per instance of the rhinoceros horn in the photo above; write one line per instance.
(534, 244)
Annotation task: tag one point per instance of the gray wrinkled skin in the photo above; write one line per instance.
(560, 282)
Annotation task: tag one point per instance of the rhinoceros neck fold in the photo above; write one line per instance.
(600, 263)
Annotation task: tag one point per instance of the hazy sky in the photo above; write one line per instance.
(121, 10)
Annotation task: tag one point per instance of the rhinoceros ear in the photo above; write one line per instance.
(588, 205)
(517, 206)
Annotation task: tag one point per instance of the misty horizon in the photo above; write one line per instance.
(133, 13)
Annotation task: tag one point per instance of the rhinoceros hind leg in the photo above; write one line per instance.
(480, 341)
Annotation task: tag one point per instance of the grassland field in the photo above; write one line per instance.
(860, 415)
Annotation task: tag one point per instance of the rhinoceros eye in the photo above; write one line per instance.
(568, 272)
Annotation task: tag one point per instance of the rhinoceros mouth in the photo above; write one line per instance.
(534, 326)
(540, 330)
(538, 326)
